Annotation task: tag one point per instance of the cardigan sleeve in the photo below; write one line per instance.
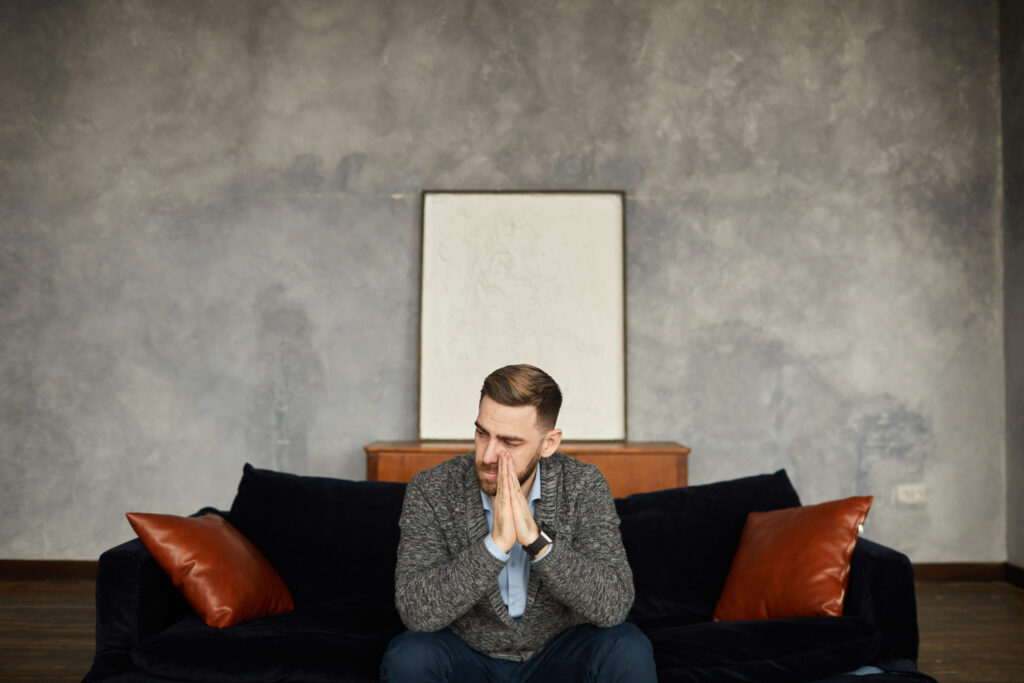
(433, 586)
(589, 572)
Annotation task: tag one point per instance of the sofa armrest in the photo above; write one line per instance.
(881, 592)
(135, 599)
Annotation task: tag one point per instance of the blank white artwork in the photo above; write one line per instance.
(523, 278)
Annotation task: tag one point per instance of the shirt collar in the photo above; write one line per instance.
(534, 492)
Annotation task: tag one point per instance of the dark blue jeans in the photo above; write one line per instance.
(619, 654)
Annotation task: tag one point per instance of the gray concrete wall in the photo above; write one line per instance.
(210, 239)
(1011, 25)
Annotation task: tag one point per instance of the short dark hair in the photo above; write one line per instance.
(525, 385)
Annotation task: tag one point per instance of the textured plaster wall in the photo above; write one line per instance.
(210, 239)
(1011, 24)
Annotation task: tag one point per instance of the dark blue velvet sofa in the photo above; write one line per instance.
(334, 543)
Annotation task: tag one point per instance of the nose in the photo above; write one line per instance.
(491, 452)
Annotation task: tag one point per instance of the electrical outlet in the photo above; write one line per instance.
(912, 494)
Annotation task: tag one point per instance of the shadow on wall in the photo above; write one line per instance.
(756, 405)
(291, 384)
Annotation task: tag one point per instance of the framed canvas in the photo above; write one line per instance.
(523, 277)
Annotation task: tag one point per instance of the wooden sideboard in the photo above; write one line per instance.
(629, 466)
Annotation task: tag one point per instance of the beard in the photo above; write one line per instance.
(491, 487)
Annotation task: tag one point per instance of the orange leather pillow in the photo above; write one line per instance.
(793, 562)
(218, 570)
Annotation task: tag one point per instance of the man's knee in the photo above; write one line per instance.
(416, 656)
(626, 637)
(629, 655)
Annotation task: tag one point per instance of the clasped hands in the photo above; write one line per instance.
(512, 518)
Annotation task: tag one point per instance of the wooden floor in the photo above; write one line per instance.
(970, 632)
(47, 630)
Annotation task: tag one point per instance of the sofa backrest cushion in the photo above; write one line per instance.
(680, 542)
(329, 539)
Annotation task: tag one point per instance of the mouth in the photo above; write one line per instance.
(489, 474)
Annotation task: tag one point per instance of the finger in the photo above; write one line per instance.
(501, 478)
(513, 480)
(502, 465)
(507, 474)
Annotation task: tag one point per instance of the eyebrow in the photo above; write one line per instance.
(503, 437)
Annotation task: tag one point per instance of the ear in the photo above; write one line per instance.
(551, 442)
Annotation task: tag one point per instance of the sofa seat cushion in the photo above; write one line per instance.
(318, 643)
(784, 651)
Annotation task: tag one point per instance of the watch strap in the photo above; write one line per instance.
(545, 539)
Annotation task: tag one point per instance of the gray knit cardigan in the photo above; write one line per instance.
(446, 577)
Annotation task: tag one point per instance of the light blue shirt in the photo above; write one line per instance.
(515, 575)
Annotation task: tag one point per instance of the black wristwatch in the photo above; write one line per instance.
(545, 539)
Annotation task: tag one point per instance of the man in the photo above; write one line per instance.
(511, 566)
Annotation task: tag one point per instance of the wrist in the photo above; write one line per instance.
(530, 537)
(495, 551)
(540, 545)
(504, 545)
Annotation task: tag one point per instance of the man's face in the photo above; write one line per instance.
(514, 429)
